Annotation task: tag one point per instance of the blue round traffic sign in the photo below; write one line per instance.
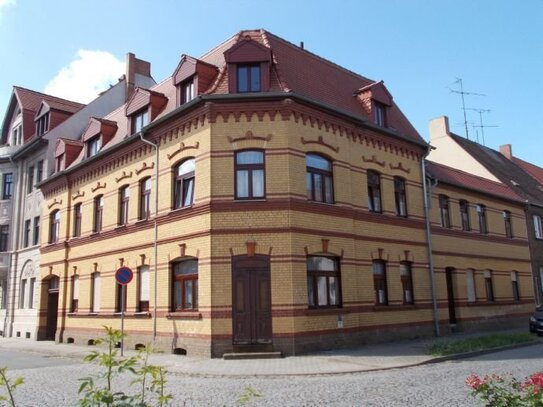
(124, 275)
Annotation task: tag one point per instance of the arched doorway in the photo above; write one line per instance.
(52, 286)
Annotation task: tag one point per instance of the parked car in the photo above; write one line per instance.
(536, 321)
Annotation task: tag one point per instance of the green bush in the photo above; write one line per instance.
(450, 347)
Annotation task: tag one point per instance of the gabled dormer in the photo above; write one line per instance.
(376, 101)
(249, 64)
(41, 120)
(66, 151)
(97, 134)
(191, 78)
(142, 108)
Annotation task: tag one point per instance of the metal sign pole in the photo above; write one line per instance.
(123, 302)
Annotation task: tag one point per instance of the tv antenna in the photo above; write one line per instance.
(481, 125)
(462, 94)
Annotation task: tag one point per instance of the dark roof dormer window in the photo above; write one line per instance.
(66, 151)
(248, 78)
(42, 125)
(140, 120)
(376, 100)
(192, 77)
(93, 146)
(187, 91)
(379, 114)
(97, 134)
(143, 107)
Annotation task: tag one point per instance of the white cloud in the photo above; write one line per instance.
(90, 73)
(4, 4)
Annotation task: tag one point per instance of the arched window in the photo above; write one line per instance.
(250, 179)
(184, 184)
(323, 282)
(374, 191)
(319, 180)
(54, 226)
(185, 285)
(145, 198)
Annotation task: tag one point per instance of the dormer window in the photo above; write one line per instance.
(59, 163)
(42, 125)
(187, 91)
(93, 146)
(379, 114)
(248, 78)
(17, 135)
(376, 101)
(140, 120)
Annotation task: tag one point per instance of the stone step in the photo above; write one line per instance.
(252, 355)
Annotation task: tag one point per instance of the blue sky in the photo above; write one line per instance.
(417, 47)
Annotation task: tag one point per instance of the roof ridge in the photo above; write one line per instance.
(48, 95)
(276, 67)
(238, 34)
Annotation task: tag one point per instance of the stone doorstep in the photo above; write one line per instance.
(252, 355)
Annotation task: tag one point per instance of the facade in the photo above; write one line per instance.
(32, 123)
(525, 179)
(260, 207)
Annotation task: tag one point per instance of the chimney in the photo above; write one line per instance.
(301, 44)
(507, 151)
(135, 66)
(439, 127)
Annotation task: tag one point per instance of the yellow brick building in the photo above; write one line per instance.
(290, 213)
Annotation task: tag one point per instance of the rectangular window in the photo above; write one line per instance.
(95, 292)
(187, 91)
(185, 285)
(22, 294)
(4, 235)
(538, 227)
(323, 282)
(31, 289)
(488, 286)
(93, 146)
(508, 224)
(464, 215)
(30, 179)
(319, 179)
(54, 226)
(406, 276)
(380, 282)
(140, 120)
(36, 235)
(75, 294)
(481, 214)
(59, 163)
(143, 289)
(77, 220)
(374, 191)
(145, 199)
(470, 285)
(7, 188)
(26, 236)
(514, 284)
(400, 197)
(124, 198)
(379, 114)
(119, 298)
(248, 78)
(98, 213)
(444, 213)
(42, 125)
(249, 168)
(184, 184)
(39, 171)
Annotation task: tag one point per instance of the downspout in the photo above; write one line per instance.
(155, 247)
(425, 191)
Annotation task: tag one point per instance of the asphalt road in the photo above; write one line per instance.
(52, 381)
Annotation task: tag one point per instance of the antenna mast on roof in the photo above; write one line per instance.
(462, 93)
(481, 125)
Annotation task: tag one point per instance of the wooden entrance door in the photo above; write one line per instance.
(450, 294)
(52, 309)
(251, 300)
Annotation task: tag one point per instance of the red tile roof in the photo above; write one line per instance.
(535, 171)
(453, 176)
(31, 100)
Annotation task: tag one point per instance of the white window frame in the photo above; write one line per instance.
(538, 227)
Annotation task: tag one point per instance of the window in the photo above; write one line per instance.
(98, 213)
(124, 198)
(185, 285)
(22, 293)
(54, 226)
(323, 282)
(119, 298)
(4, 234)
(8, 186)
(30, 179)
(380, 282)
(514, 284)
(248, 78)
(464, 215)
(75, 294)
(26, 237)
(488, 286)
(538, 227)
(145, 198)
(42, 124)
(36, 235)
(140, 120)
(470, 285)
(184, 184)
(39, 171)
(444, 211)
(374, 191)
(93, 146)
(143, 289)
(481, 213)
(31, 293)
(187, 91)
(508, 224)
(17, 135)
(379, 114)
(59, 163)
(77, 220)
(407, 282)
(249, 167)
(319, 182)
(400, 197)
(95, 292)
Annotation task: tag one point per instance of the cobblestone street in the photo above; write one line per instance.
(53, 382)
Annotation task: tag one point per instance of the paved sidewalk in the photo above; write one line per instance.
(367, 358)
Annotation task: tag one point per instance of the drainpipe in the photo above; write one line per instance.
(425, 190)
(155, 249)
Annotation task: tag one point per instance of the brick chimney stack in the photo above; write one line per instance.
(135, 66)
(507, 151)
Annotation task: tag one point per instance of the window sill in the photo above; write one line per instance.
(182, 208)
(263, 199)
(121, 227)
(321, 203)
(394, 307)
(326, 311)
(94, 234)
(194, 315)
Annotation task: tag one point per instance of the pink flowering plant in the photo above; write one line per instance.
(506, 391)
